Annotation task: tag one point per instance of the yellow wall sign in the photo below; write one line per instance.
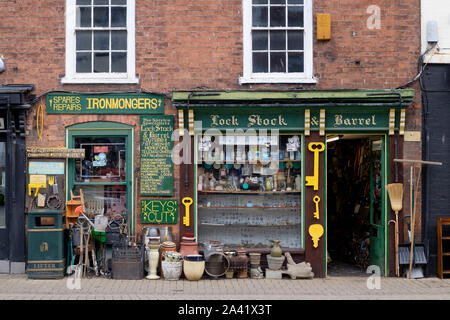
(159, 211)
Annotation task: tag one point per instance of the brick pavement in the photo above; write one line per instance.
(19, 287)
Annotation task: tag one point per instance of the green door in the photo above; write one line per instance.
(377, 203)
(106, 174)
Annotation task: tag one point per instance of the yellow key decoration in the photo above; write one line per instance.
(315, 147)
(315, 231)
(316, 200)
(187, 201)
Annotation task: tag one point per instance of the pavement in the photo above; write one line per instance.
(19, 287)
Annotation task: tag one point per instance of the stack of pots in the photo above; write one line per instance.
(255, 269)
(188, 245)
(166, 247)
(275, 259)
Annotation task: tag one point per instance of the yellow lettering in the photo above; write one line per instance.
(154, 103)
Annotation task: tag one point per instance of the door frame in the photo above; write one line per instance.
(4, 230)
(385, 179)
(107, 129)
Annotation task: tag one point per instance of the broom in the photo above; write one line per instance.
(395, 191)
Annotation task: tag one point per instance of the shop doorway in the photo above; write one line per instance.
(4, 243)
(356, 220)
(105, 175)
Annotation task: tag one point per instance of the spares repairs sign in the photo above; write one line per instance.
(114, 103)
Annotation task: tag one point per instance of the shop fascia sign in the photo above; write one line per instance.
(333, 120)
(114, 103)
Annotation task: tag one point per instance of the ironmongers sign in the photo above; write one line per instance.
(55, 153)
(114, 103)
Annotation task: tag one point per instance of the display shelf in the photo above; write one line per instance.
(248, 225)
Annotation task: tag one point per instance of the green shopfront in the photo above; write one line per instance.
(308, 168)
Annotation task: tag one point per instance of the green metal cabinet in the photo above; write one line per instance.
(46, 258)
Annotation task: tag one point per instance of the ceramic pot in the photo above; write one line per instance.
(153, 258)
(255, 258)
(276, 249)
(275, 263)
(241, 264)
(217, 264)
(193, 270)
(188, 248)
(172, 270)
(165, 247)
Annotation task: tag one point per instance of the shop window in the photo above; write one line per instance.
(277, 41)
(104, 159)
(100, 41)
(250, 190)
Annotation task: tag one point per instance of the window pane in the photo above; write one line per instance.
(104, 159)
(118, 40)
(119, 62)
(277, 16)
(259, 16)
(84, 62)
(84, 40)
(83, 2)
(101, 17)
(109, 199)
(119, 2)
(83, 17)
(101, 40)
(277, 62)
(101, 62)
(259, 1)
(295, 16)
(260, 39)
(295, 62)
(260, 62)
(295, 40)
(277, 40)
(277, 1)
(101, 2)
(118, 17)
(295, 1)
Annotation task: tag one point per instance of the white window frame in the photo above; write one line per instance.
(72, 76)
(293, 77)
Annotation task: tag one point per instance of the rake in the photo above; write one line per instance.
(395, 191)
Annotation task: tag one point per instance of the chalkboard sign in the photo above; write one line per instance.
(159, 211)
(156, 171)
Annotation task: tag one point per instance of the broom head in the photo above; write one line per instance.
(395, 191)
